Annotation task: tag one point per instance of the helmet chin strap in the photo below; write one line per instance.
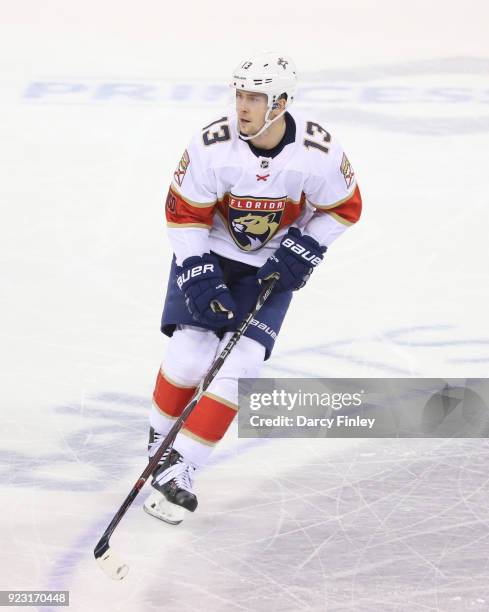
(266, 125)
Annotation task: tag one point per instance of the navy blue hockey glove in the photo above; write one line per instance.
(206, 295)
(294, 261)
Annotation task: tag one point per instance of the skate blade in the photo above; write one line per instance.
(156, 505)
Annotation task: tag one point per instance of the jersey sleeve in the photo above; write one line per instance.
(190, 203)
(333, 191)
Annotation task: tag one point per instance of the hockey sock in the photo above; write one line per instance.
(188, 356)
(169, 399)
(217, 408)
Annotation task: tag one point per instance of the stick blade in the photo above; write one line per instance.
(112, 565)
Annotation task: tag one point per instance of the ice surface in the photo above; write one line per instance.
(97, 101)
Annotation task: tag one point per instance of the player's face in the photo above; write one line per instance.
(251, 109)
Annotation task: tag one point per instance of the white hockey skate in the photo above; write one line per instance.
(158, 506)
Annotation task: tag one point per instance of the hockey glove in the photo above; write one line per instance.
(294, 261)
(206, 295)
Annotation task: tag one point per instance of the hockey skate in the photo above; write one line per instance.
(172, 481)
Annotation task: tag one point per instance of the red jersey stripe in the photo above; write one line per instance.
(346, 211)
(183, 212)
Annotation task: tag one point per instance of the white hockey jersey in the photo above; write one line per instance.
(239, 203)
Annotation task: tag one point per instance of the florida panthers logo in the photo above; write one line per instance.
(253, 222)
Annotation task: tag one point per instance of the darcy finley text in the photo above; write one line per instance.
(303, 421)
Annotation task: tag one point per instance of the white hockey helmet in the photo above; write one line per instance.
(270, 73)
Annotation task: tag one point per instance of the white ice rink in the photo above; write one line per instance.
(97, 103)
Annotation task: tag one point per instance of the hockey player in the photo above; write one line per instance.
(257, 193)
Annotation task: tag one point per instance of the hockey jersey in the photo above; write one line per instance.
(230, 198)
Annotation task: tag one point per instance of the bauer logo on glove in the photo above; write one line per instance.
(313, 259)
(193, 272)
(207, 297)
(293, 261)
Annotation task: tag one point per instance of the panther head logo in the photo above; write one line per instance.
(252, 230)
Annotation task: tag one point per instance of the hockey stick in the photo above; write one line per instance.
(104, 554)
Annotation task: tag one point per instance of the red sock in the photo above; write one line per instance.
(210, 419)
(170, 397)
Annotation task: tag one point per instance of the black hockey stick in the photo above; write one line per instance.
(104, 555)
